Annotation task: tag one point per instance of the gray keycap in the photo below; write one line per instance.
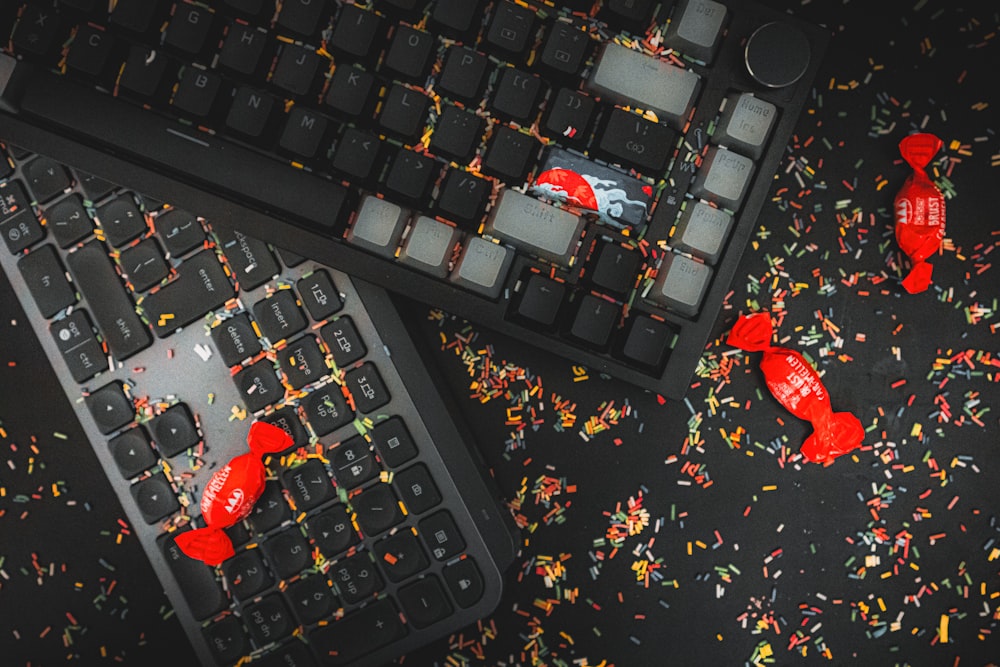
(429, 246)
(696, 28)
(681, 284)
(633, 78)
(745, 125)
(724, 178)
(483, 267)
(379, 226)
(539, 228)
(702, 231)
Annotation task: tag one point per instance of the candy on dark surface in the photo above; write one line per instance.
(800, 390)
(919, 210)
(230, 495)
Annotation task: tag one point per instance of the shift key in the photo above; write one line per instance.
(200, 287)
(109, 303)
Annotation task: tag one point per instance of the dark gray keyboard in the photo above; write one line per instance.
(376, 532)
(584, 177)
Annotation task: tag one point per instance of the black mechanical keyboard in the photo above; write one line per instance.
(584, 176)
(377, 530)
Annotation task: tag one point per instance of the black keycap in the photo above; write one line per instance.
(377, 509)
(287, 419)
(463, 74)
(301, 16)
(289, 258)
(251, 261)
(180, 231)
(409, 54)
(457, 18)
(200, 287)
(401, 556)
(235, 339)
(188, 29)
(154, 498)
(417, 489)
(463, 198)
(196, 580)
(393, 442)
(268, 620)
(248, 7)
(569, 117)
(121, 220)
(510, 155)
(352, 92)
(68, 221)
(291, 654)
(252, 114)
(18, 225)
(78, 345)
(227, 639)
(259, 386)
(38, 32)
(367, 387)
(143, 264)
(271, 510)
(147, 72)
(424, 602)
(94, 188)
(319, 295)
(238, 533)
(565, 49)
(540, 301)
(246, 573)
(356, 578)
(357, 154)
(403, 113)
(174, 430)
(517, 95)
(96, 279)
(243, 49)
(352, 463)
(344, 341)
(465, 581)
(634, 141)
(46, 178)
(287, 552)
(441, 535)
(647, 342)
(303, 362)
(326, 410)
(632, 15)
(311, 599)
(510, 31)
(135, 15)
(332, 531)
(306, 134)
(409, 10)
(410, 176)
(594, 321)
(198, 92)
(90, 51)
(279, 316)
(132, 452)
(296, 70)
(308, 485)
(356, 32)
(615, 269)
(46, 280)
(355, 635)
(456, 134)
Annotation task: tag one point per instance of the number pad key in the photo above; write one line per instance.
(308, 485)
(312, 599)
(268, 620)
(401, 555)
(353, 463)
(377, 509)
(288, 552)
(356, 578)
(331, 531)
(246, 573)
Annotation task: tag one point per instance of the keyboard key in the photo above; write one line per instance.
(154, 498)
(309, 485)
(540, 301)
(352, 463)
(344, 341)
(393, 442)
(483, 267)
(188, 29)
(246, 573)
(90, 51)
(121, 221)
(307, 134)
(97, 280)
(68, 221)
(594, 322)
(456, 18)
(631, 140)
(616, 269)
(268, 620)
(463, 198)
(279, 316)
(251, 260)
(271, 510)
(253, 114)
(516, 95)
(179, 231)
(378, 226)
(174, 430)
(746, 124)
(287, 419)
(723, 178)
(144, 264)
(134, 15)
(332, 532)
(288, 552)
(424, 602)
(243, 49)
(94, 188)
(510, 155)
(343, 641)
(702, 231)
(401, 556)
(227, 639)
(417, 489)
(196, 580)
(465, 582)
(534, 226)
(78, 345)
(326, 410)
(296, 69)
(132, 452)
(46, 280)
(291, 654)
(303, 362)
(356, 578)
(200, 287)
(259, 386)
(38, 32)
(429, 246)
(409, 54)
(18, 225)
(510, 30)
(367, 388)
(696, 28)
(463, 74)
(633, 78)
(411, 176)
(632, 15)
(357, 155)
(235, 339)
(301, 16)
(147, 72)
(356, 32)
(46, 178)
(311, 599)
(565, 49)
(441, 535)
(681, 284)
(352, 91)
(456, 134)
(319, 295)
(569, 117)
(377, 509)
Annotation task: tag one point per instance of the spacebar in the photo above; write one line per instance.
(185, 153)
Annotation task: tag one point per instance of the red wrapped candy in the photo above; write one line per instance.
(230, 495)
(919, 210)
(799, 388)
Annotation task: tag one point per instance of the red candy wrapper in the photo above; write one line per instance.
(919, 211)
(799, 388)
(230, 495)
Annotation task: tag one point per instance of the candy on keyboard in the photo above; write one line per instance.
(800, 390)
(919, 210)
(230, 495)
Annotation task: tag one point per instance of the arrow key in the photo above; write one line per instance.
(110, 407)
(539, 302)
(155, 498)
(174, 430)
(332, 531)
(312, 599)
(646, 342)
(132, 452)
(594, 322)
